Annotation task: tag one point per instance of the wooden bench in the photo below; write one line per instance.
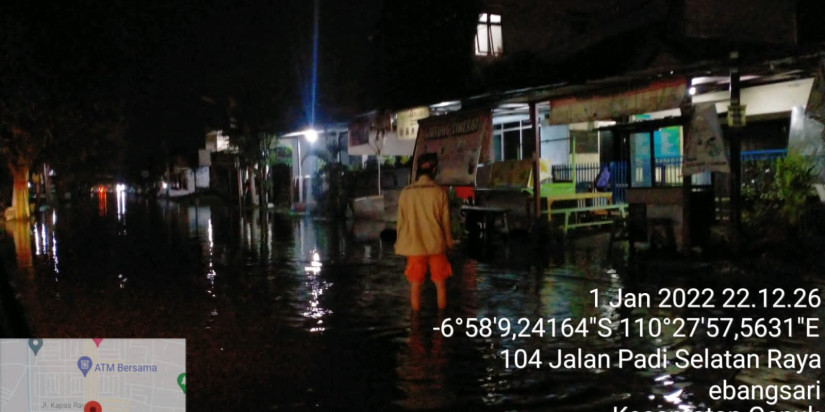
(487, 217)
(579, 197)
(607, 209)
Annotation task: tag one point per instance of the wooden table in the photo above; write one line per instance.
(488, 217)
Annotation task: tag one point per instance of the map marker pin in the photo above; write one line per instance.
(92, 406)
(35, 344)
(84, 364)
(182, 382)
(97, 342)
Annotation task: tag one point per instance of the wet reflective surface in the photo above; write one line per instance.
(286, 312)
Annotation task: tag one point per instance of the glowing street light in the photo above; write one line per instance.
(311, 136)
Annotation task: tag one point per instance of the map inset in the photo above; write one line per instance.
(92, 375)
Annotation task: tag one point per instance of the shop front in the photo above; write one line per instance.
(667, 146)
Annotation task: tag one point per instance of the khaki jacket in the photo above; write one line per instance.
(423, 219)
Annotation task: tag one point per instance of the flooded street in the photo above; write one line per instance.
(291, 312)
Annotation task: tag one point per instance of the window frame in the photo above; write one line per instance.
(486, 24)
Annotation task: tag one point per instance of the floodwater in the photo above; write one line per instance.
(290, 312)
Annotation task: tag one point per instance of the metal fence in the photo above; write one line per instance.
(668, 171)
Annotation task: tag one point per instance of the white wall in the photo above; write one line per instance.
(770, 98)
(203, 177)
(765, 99)
(555, 143)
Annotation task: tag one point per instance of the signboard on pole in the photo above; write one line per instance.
(204, 158)
(408, 121)
(460, 140)
(705, 149)
(374, 135)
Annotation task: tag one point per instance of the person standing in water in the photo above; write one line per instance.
(424, 231)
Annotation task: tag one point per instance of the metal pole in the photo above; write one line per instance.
(536, 159)
(652, 158)
(735, 151)
(573, 158)
(240, 182)
(300, 175)
(687, 180)
(265, 170)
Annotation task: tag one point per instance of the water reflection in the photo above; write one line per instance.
(102, 205)
(297, 313)
(316, 286)
(21, 233)
(421, 368)
(45, 240)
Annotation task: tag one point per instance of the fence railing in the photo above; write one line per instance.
(668, 171)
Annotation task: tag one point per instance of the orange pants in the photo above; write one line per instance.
(440, 268)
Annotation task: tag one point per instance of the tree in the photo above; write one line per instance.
(58, 101)
(23, 111)
(21, 146)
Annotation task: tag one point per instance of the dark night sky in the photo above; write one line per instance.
(253, 51)
(174, 63)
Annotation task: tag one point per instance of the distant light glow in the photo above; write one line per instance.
(446, 104)
(692, 91)
(164, 185)
(120, 193)
(311, 135)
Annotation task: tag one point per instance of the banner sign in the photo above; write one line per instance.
(359, 131)
(705, 148)
(460, 139)
(656, 97)
(374, 135)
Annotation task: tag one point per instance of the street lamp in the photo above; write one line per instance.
(311, 136)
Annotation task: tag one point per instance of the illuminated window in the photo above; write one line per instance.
(512, 141)
(488, 35)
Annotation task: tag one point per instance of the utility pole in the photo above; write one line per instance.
(735, 122)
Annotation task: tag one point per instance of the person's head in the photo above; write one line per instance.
(428, 165)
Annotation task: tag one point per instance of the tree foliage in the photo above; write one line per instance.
(778, 191)
(59, 101)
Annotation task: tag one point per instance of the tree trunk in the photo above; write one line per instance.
(253, 188)
(20, 194)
